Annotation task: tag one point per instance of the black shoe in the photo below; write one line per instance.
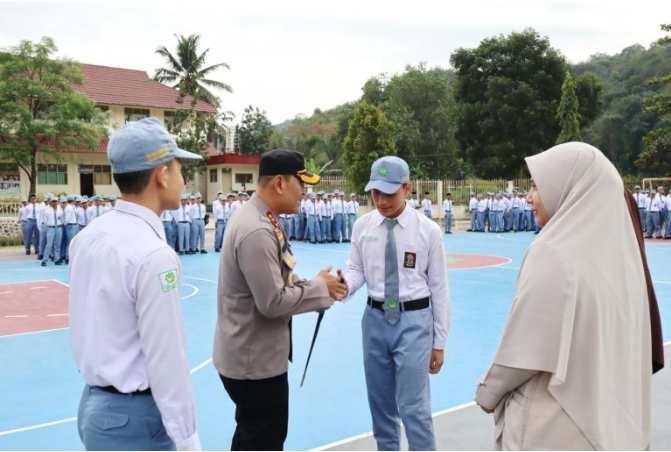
(216, 250)
(449, 232)
(27, 253)
(469, 230)
(40, 257)
(181, 253)
(51, 258)
(67, 261)
(44, 264)
(536, 233)
(203, 252)
(658, 238)
(648, 237)
(59, 262)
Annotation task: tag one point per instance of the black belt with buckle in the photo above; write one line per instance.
(412, 305)
(113, 390)
(183, 221)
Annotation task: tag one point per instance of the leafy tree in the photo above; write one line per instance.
(39, 109)
(186, 69)
(508, 91)
(369, 137)
(589, 89)
(657, 151)
(420, 103)
(625, 121)
(255, 131)
(315, 168)
(567, 113)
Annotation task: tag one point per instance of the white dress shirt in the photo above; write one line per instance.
(447, 205)
(472, 205)
(53, 217)
(166, 215)
(69, 215)
(32, 211)
(182, 214)
(126, 327)
(654, 204)
(640, 200)
(426, 204)
(338, 206)
(310, 208)
(414, 233)
(352, 208)
(482, 205)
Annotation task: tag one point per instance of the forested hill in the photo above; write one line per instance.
(619, 129)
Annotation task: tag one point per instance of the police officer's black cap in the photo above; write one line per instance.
(285, 161)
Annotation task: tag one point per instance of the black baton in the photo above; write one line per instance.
(312, 346)
(314, 338)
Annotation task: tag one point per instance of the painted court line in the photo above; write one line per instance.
(57, 315)
(4, 293)
(32, 332)
(72, 419)
(40, 287)
(16, 316)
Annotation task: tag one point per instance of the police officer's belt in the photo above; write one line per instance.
(113, 390)
(412, 305)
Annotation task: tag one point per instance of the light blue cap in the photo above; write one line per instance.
(221, 197)
(637, 187)
(143, 145)
(387, 175)
(63, 199)
(71, 198)
(24, 199)
(311, 195)
(654, 192)
(198, 195)
(112, 198)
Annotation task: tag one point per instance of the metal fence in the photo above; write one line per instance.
(438, 189)
(9, 208)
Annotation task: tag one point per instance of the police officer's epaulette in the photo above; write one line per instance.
(278, 231)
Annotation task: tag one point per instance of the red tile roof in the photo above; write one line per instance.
(129, 87)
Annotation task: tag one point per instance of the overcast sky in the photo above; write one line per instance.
(289, 57)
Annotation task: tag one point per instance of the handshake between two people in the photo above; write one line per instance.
(336, 284)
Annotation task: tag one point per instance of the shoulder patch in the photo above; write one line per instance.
(169, 280)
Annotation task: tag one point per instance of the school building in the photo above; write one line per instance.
(127, 95)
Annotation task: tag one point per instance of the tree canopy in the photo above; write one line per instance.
(186, 70)
(254, 132)
(369, 137)
(39, 109)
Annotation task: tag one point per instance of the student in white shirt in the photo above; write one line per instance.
(53, 220)
(70, 226)
(126, 328)
(352, 209)
(426, 205)
(641, 203)
(32, 229)
(654, 206)
(473, 210)
(182, 217)
(447, 208)
(398, 253)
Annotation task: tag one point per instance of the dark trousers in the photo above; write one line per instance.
(261, 412)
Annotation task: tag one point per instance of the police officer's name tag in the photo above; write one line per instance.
(169, 280)
(369, 238)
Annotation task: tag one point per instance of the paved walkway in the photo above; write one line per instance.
(469, 428)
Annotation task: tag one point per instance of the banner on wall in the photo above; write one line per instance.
(10, 180)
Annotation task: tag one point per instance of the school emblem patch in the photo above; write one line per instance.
(382, 171)
(410, 260)
(169, 280)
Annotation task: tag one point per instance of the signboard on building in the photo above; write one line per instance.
(10, 180)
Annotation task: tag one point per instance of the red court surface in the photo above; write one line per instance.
(465, 261)
(34, 306)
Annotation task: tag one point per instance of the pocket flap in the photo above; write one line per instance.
(106, 420)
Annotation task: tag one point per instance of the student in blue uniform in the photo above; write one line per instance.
(398, 253)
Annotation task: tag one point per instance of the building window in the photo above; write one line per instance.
(104, 108)
(243, 178)
(135, 114)
(102, 174)
(214, 175)
(52, 174)
(168, 118)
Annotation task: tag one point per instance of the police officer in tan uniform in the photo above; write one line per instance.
(257, 295)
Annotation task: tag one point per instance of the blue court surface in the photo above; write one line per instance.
(40, 385)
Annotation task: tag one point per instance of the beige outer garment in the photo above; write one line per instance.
(256, 297)
(580, 316)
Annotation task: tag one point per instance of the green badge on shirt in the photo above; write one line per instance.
(169, 280)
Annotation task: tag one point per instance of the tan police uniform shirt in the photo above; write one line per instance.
(257, 295)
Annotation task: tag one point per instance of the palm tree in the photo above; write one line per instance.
(186, 70)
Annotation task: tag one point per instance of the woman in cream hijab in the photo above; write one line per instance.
(573, 370)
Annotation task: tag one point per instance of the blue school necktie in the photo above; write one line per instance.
(392, 312)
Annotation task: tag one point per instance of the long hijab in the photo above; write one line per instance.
(580, 310)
